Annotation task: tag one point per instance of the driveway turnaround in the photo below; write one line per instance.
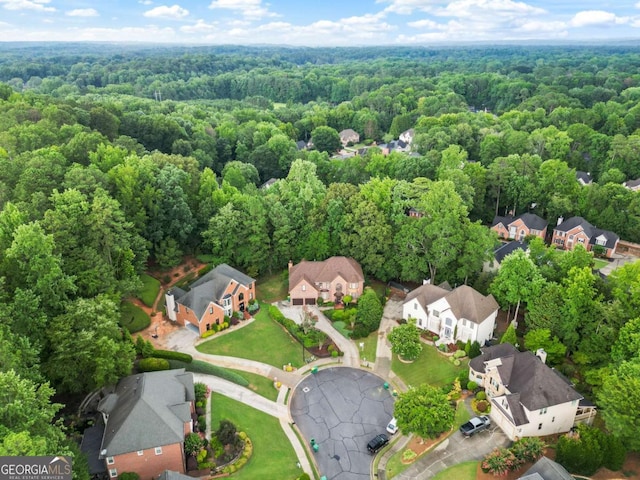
(342, 408)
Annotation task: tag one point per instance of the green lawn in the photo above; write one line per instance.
(273, 287)
(370, 346)
(430, 367)
(150, 289)
(273, 456)
(133, 318)
(598, 263)
(263, 340)
(259, 384)
(342, 328)
(462, 471)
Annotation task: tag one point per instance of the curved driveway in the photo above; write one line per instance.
(342, 408)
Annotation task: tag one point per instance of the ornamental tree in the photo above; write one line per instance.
(424, 411)
(405, 340)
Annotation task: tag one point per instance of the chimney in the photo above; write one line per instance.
(542, 355)
(290, 265)
(560, 220)
(426, 281)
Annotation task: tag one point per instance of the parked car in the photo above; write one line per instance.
(377, 442)
(392, 428)
(475, 425)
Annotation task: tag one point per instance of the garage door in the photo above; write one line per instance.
(298, 301)
(310, 301)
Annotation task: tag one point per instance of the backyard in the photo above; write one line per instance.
(263, 340)
(430, 367)
(133, 318)
(273, 456)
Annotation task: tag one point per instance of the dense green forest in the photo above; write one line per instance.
(112, 157)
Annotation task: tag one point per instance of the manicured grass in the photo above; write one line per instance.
(273, 456)
(462, 471)
(273, 287)
(263, 340)
(430, 367)
(370, 346)
(206, 257)
(462, 414)
(379, 287)
(150, 289)
(598, 263)
(342, 328)
(259, 384)
(133, 318)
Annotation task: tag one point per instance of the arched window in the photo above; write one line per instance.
(241, 296)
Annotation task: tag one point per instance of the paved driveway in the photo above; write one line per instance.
(342, 409)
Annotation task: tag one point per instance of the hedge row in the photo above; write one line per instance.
(290, 325)
(153, 364)
(198, 366)
(172, 355)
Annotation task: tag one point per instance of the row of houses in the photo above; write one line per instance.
(566, 234)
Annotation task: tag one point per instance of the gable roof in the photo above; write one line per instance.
(150, 410)
(268, 183)
(347, 134)
(546, 469)
(171, 475)
(465, 302)
(590, 231)
(210, 288)
(531, 220)
(632, 183)
(326, 271)
(522, 373)
(505, 249)
(583, 177)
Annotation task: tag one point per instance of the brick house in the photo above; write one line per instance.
(460, 314)
(576, 230)
(330, 280)
(210, 298)
(145, 421)
(528, 398)
(517, 228)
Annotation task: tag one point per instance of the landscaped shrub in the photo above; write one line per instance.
(481, 395)
(192, 444)
(208, 333)
(459, 354)
(172, 355)
(144, 347)
(153, 364)
(200, 390)
(614, 452)
(202, 423)
(499, 462)
(474, 350)
(129, 476)
(528, 449)
(253, 307)
(463, 376)
(482, 406)
(586, 449)
(471, 386)
(304, 476)
(226, 432)
(198, 366)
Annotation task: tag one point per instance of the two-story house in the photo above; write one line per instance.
(210, 298)
(528, 398)
(329, 280)
(517, 228)
(577, 231)
(146, 420)
(461, 314)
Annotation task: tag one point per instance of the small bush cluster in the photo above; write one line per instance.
(503, 460)
(244, 457)
(171, 355)
(198, 366)
(310, 338)
(153, 364)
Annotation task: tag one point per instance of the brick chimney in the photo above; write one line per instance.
(290, 265)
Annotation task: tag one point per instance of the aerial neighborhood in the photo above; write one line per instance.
(332, 263)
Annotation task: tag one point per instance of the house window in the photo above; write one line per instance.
(543, 411)
(210, 309)
(539, 426)
(415, 306)
(580, 240)
(250, 295)
(140, 453)
(353, 285)
(303, 288)
(113, 473)
(186, 309)
(571, 238)
(110, 461)
(448, 322)
(241, 296)
(158, 450)
(601, 241)
(436, 313)
(464, 322)
(553, 419)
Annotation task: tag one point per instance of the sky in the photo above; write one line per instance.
(319, 22)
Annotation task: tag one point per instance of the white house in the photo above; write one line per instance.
(528, 398)
(460, 314)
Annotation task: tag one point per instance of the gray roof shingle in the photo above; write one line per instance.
(531, 220)
(546, 469)
(150, 411)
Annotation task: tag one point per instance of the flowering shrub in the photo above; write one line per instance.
(499, 462)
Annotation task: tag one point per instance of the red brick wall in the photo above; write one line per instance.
(149, 465)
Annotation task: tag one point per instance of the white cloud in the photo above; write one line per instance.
(199, 27)
(82, 12)
(489, 9)
(247, 8)
(589, 18)
(35, 5)
(174, 12)
(145, 2)
(542, 26)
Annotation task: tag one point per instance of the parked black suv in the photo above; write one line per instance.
(377, 443)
